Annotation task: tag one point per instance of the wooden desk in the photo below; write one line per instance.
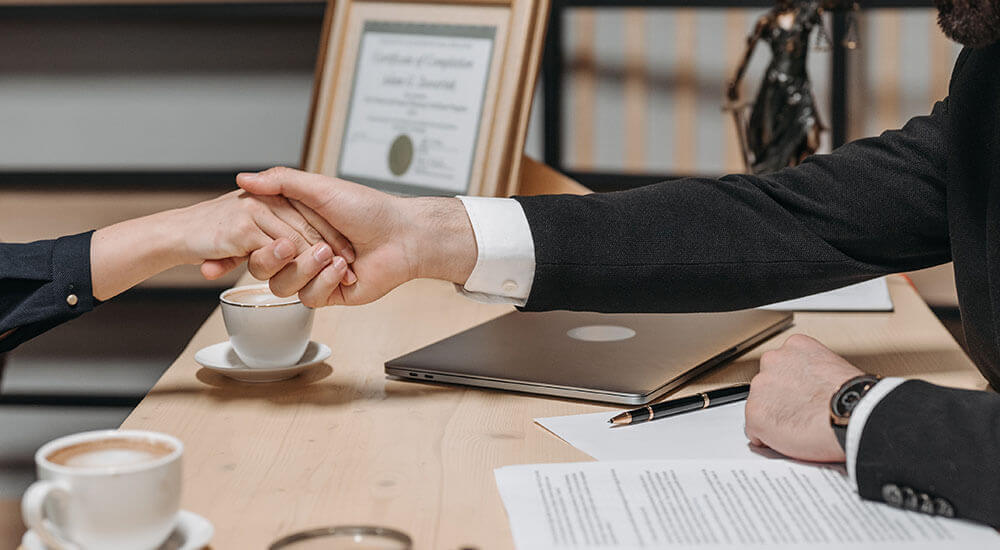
(11, 527)
(344, 445)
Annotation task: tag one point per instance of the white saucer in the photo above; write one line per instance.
(222, 358)
(193, 532)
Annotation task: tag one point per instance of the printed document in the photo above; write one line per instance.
(717, 504)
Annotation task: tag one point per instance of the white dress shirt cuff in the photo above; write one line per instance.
(505, 264)
(859, 416)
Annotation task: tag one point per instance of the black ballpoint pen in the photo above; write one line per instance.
(673, 407)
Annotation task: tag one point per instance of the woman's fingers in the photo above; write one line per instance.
(341, 245)
(268, 261)
(291, 215)
(213, 269)
(296, 275)
(276, 228)
(318, 291)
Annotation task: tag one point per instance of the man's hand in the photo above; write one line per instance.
(789, 405)
(394, 239)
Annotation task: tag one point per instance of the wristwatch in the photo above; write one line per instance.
(844, 402)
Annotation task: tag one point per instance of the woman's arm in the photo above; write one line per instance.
(46, 283)
(223, 232)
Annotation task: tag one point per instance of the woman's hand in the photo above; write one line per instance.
(222, 233)
(219, 234)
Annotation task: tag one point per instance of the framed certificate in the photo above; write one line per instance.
(427, 98)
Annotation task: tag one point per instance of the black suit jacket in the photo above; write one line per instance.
(908, 199)
(36, 280)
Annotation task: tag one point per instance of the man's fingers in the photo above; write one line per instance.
(268, 261)
(311, 189)
(318, 291)
(303, 269)
(341, 246)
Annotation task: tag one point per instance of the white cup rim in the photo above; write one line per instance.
(264, 286)
(42, 453)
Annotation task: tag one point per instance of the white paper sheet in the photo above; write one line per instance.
(627, 505)
(870, 295)
(711, 433)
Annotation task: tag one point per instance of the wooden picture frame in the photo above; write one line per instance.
(373, 90)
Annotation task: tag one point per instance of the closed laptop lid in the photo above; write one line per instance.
(632, 354)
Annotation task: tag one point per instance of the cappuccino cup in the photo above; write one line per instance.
(109, 489)
(266, 331)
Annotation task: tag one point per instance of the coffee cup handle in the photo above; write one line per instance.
(33, 510)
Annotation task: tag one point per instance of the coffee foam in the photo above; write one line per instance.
(258, 297)
(109, 452)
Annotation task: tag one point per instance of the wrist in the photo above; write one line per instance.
(844, 401)
(443, 242)
(168, 235)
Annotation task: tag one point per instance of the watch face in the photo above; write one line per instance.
(850, 394)
(847, 400)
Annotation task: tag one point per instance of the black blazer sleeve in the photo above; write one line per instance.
(941, 442)
(872, 207)
(36, 282)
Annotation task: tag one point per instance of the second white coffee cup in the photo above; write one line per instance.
(266, 331)
(107, 490)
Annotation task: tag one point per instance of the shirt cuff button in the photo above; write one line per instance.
(72, 300)
(509, 286)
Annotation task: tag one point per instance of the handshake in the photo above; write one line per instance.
(330, 241)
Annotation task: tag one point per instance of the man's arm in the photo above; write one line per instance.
(933, 449)
(872, 207)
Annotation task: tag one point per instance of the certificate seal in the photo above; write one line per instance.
(400, 155)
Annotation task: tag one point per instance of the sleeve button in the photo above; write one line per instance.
(892, 495)
(926, 504)
(509, 286)
(72, 300)
(943, 508)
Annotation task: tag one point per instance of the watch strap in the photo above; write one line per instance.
(841, 433)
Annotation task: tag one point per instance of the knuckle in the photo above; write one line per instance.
(277, 172)
(798, 340)
(768, 358)
(310, 233)
(245, 227)
(310, 300)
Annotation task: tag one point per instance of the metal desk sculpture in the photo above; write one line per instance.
(784, 126)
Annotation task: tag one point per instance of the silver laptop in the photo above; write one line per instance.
(628, 359)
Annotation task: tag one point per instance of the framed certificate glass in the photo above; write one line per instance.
(428, 98)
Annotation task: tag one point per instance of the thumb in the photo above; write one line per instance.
(313, 190)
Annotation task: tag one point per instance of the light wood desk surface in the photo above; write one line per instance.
(344, 445)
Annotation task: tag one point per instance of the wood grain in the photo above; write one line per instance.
(343, 444)
(29, 215)
(11, 527)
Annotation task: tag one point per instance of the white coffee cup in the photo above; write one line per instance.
(266, 331)
(108, 490)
